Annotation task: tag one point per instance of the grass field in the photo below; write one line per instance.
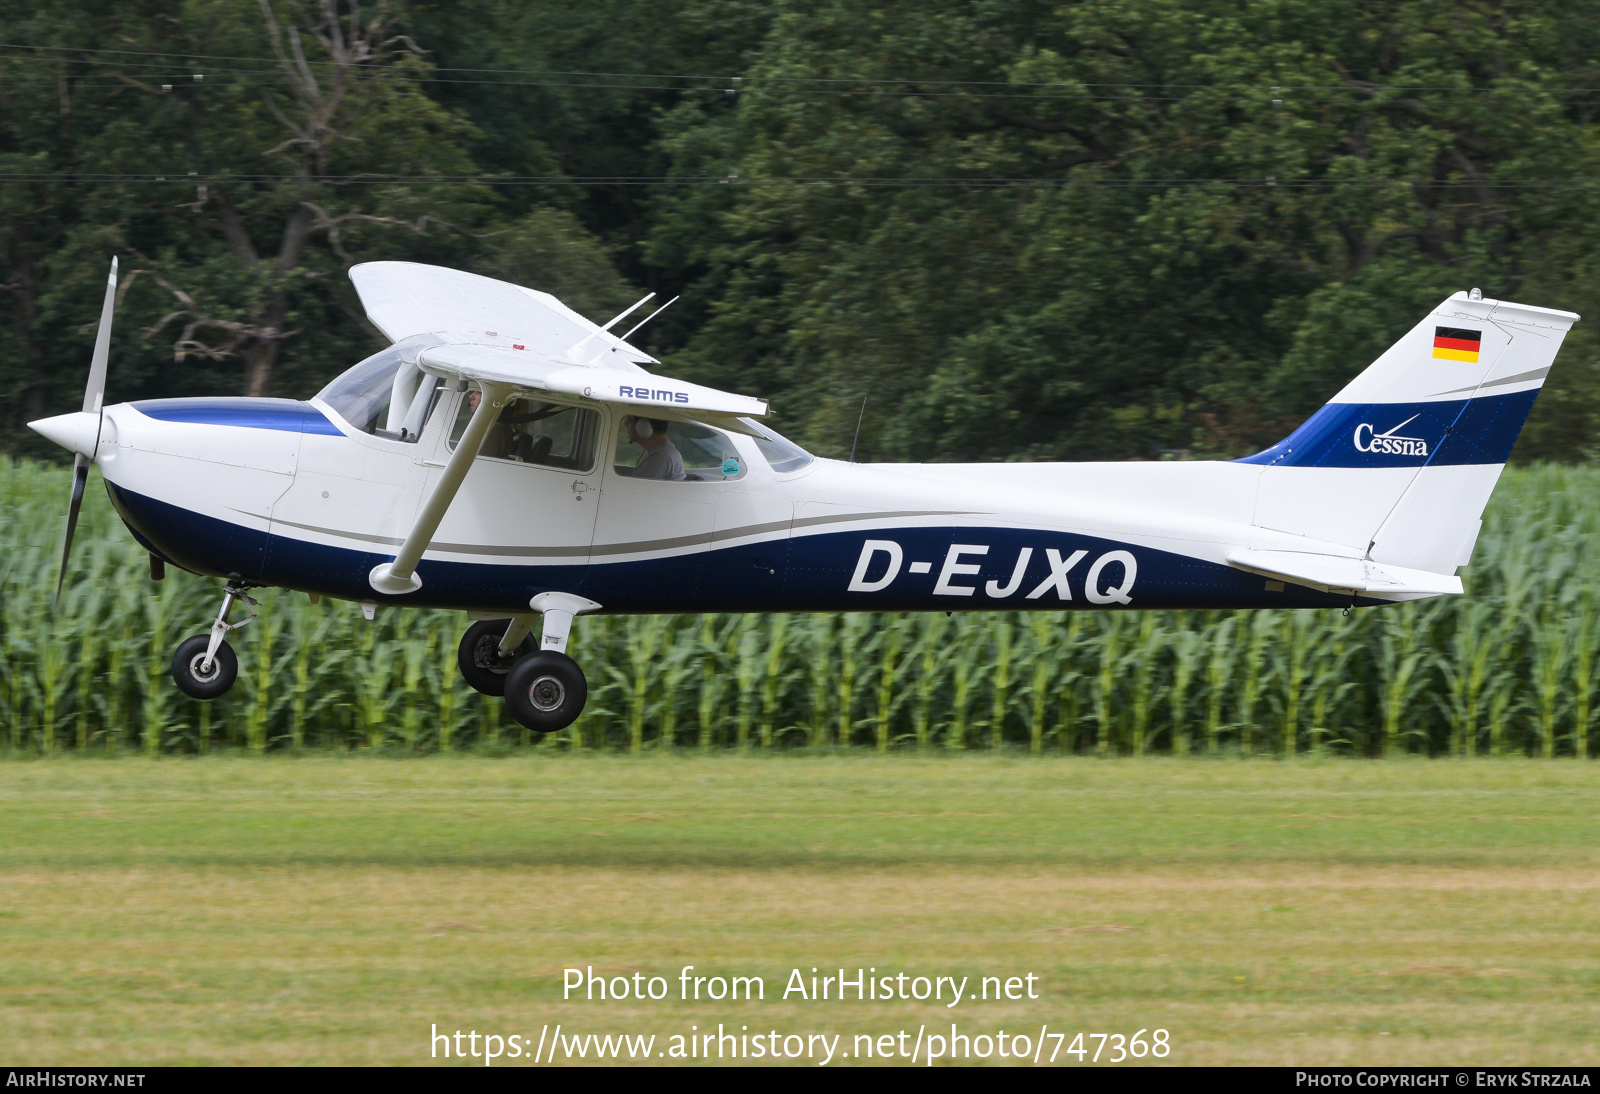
(330, 909)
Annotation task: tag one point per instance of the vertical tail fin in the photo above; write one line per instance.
(1401, 463)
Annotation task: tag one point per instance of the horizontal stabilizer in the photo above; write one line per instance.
(1330, 574)
(530, 372)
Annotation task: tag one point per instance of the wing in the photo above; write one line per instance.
(493, 332)
(406, 299)
(529, 372)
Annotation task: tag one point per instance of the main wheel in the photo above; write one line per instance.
(189, 673)
(545, 691)
(479, 655)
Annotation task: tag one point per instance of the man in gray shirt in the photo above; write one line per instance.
(661, 459)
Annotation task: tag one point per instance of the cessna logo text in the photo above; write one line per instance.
(657, 396)
(1108, 580)
(1387, 443)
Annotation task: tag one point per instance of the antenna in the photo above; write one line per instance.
(574, 353)
(858, 429)
(629, 310)
(652, 315)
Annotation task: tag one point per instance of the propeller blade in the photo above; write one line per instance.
(94, 394)
(94, 397)
(80, 476)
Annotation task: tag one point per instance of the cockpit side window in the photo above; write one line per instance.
(366, 396)
(674, 451)
(536, 432)
(780, 452)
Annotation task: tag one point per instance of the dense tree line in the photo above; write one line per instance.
(1016, 229)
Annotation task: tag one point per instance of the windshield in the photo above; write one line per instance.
(365, 396)
(361, 394)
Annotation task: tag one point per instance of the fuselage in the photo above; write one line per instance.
(290, 494)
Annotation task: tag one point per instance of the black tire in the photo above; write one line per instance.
(545, 691)
(186, 660)
(479, 655)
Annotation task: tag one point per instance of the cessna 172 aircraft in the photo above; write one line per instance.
(507, 457)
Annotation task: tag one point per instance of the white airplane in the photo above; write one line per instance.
(509, 458)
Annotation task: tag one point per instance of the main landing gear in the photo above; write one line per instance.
(205, 666)
(544, 689)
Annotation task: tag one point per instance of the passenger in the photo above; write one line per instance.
(661, 459)
(497, 443)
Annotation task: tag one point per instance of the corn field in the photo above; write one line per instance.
(1509, 668)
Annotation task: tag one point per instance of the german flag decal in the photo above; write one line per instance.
(1456, 344)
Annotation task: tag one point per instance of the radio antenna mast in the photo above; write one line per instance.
(651, 316)
(858, 429)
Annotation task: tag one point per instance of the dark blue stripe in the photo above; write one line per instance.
(285, 414)
(805, 574)
(1460, 431)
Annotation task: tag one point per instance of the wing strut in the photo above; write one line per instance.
(400, 576)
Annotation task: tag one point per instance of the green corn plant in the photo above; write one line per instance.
(851, 636)
(773, 676)
(1070, 679)
(819, 667)
(1328, 685)
(748, 663)
(643, 644)
(1260, 627)
(157, 680)
(416, 656)
(1188, 648)
(87, 607)
(54, 680)
(1585, 668)
(890, 670)
(679, 659)
(258, 676)
(375, 693)
(1552, 662)
(1219, 670)
(1042, 671)
(964, 675)
(1296, 634)
(999, 680)
(1111, 636)
(932, 654)
(1466, 673)
(1504, 703)
(449, 692)
(1144, 662)
(1401, 672)
(712, 680)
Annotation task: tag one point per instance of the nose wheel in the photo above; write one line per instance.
(202, 673)
(205, 666)
(545, 691)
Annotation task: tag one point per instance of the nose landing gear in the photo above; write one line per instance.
(205, 666)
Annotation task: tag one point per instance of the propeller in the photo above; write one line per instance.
(93, 403)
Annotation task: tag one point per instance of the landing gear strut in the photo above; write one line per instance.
(545, 691)
(205, 666)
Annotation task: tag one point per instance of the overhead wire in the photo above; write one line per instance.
(272, 66)
(866, 181)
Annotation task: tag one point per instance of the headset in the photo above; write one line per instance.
(643, 428)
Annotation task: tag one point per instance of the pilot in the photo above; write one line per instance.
(661, 459)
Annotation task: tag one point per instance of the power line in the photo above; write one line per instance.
(738, 81)
(866, 181)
